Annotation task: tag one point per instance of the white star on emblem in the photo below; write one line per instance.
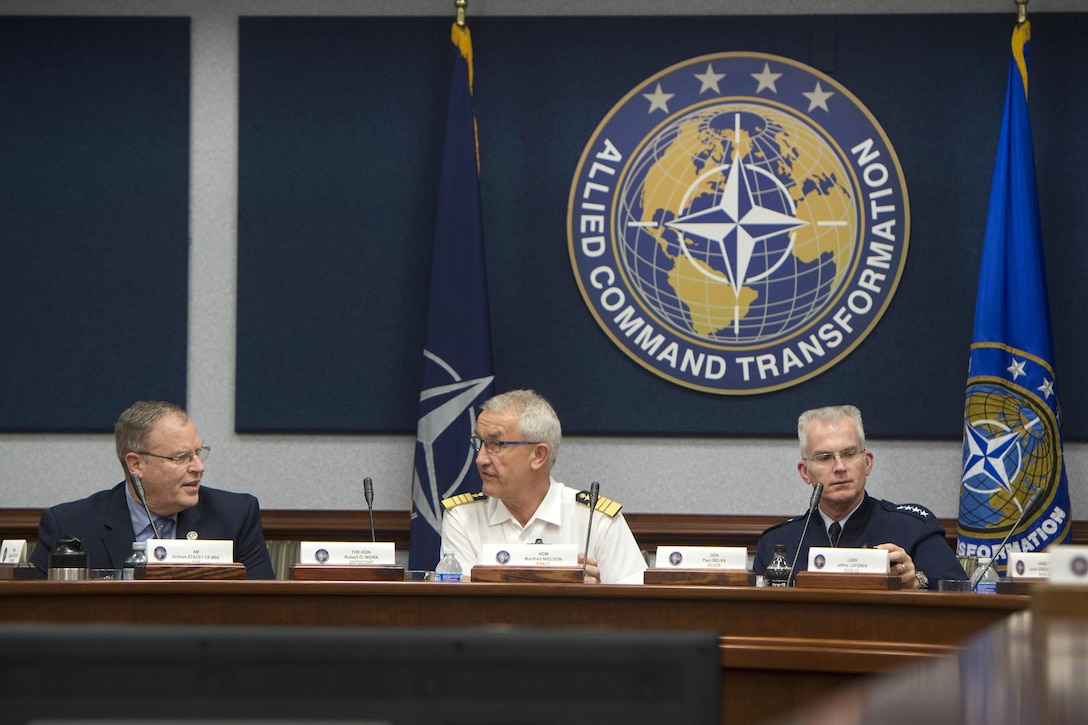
(1016, 369)
(986, 456)
(1047, 388)
(817, 98)
(709, 80)
(658, 99)
(766, 79)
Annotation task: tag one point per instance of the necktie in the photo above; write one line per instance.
(833, 533)
(166, 526)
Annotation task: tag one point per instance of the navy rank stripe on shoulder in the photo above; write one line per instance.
(606, 506)
(790, 520)
(461, 498)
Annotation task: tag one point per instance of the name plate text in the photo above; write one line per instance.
(702, 557)
(844, 560)
(1069, 565)
(529, 555)
(1028, 565)
(348, 553)
(13, 551)
(190, 551)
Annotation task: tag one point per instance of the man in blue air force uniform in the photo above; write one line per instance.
(158, 442)
(833, 453)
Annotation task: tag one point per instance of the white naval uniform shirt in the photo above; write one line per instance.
(559, 519)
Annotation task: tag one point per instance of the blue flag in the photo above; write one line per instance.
(457, 368)
(1012, 438)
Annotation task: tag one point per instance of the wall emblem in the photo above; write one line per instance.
(738, 223)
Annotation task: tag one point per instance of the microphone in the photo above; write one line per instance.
(1033, 501)
(817, 491)
(594, 494)
(139, 486)
(368, 494)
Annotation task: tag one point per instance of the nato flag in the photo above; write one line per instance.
(1012, 441)
(457, 367)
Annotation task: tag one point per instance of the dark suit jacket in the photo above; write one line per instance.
(102, 522)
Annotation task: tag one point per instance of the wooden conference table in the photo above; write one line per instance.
(1030, 668)
(807, 642)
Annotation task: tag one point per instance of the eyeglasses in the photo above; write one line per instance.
(846, 456)
(494, 448)
(182, 459)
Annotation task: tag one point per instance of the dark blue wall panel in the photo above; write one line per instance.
(94, 218)
(340, 141)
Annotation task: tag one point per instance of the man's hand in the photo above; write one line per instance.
(901, 565)
(593, 574)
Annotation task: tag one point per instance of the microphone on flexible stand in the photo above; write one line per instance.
(817, 491)
(594, 494)
(138, 485)
(368, 494)
(1033, 501)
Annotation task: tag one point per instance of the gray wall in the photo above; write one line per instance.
(691, 475)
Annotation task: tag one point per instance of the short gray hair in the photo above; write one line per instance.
(536, 418)
(133, 428)
(828, 414)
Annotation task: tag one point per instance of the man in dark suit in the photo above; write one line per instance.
(158, 444)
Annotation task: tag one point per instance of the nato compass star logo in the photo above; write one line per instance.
(1011, 439)
(738, 223)
(443, 434)
(735, 225)
(993, 456)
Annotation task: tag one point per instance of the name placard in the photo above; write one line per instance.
(348, 553)
(1028, 565)
(190, 551)
(1069, 565)
(702, 557)
(844, 560)
(529, 555)
(13, 551)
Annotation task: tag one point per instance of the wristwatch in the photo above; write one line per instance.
(923, 580)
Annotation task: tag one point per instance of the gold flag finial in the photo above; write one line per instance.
(1021, 11)
(462, 4)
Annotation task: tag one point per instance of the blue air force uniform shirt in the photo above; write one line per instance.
(911, 526)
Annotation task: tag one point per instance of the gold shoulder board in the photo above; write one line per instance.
(606, 506)
(452, 501)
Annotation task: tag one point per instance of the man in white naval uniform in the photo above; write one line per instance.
(517, 440)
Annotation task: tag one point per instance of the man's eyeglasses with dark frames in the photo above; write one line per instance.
(494, 448)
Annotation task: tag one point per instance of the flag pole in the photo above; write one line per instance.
(462, 5)
(1021, 11)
